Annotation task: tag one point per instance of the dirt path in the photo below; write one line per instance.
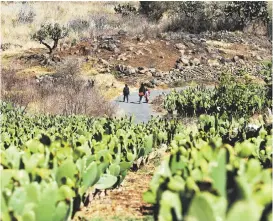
(124, 203)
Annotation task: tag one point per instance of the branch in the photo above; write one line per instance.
(47, 45)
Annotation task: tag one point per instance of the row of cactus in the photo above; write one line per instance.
(236, 97)
(232, 131)
(50, 163)
(208, 177)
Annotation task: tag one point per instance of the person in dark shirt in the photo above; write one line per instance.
(141, 92)
(126, 92)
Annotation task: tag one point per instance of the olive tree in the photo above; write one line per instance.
(50, 32)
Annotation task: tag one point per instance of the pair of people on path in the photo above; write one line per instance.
(142, 92)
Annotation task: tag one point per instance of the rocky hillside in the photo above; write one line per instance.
(160, 61)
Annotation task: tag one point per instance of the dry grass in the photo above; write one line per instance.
(232, 49)
(109, 87)
(88, 69)
(100, 16)
(68, 95)
(34, 71)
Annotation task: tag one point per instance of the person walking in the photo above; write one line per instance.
(126, 92)
(147, 94)
(141, 92)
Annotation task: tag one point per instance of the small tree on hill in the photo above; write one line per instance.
(50, 32)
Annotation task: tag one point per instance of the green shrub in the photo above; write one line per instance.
(208, 179)
(50, 32)
(196, 17)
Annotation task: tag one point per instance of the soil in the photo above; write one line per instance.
(126, 202)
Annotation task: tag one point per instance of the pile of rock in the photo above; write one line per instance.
(109, 43)
(126, 70)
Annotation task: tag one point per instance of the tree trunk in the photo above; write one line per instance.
(48, 46)
(55, 44)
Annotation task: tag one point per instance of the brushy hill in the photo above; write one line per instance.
(112, 43)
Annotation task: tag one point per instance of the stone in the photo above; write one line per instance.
(56, 58)
(241, 56)
(179, 66)
(258, 57)
(148, 50)
(222, 60)
(180, 46)
(195, 40)
(130, 49)
(149, 84)
(148, 74)
(120, 68)
(141, 71)
(213, 63)
(116, 50)
(152, 70)
(185, 61)
(104, 62)
(102, 70)
(139, 52)
(154, 81)
(235, 58)
(190, 45)
(112, 47)
(157, 74)
(182, 52)
(122, 57)
(203, 60)
(241, 61)
(122, 32)
(221, 51)
(105, 37)
(130, 70)
(195, 61)
(208, 50)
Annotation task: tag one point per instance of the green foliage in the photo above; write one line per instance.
(125, 10)
(62, 157)
(244, 12)
(232, 97)
(153, 10)
(50, 32)
(196, 16)
(205, 179)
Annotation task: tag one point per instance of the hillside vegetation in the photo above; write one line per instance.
(69, 151)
